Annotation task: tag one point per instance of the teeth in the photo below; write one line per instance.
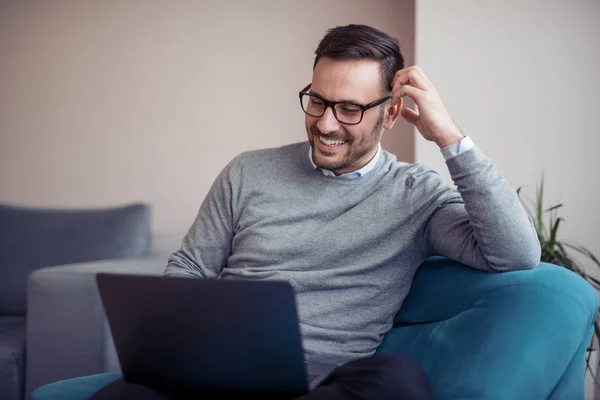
(331, 142)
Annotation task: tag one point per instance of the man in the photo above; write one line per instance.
(346, 224)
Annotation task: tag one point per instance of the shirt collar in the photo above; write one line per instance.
(352, 175)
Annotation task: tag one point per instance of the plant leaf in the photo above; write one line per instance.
(593, 281)
(540, 201)
(554, 207)
(568, 261)
(519, 191)
(528, 208)
(553, 231)
(583, 250)
(589, 367)
(591, 278)
(527, 203)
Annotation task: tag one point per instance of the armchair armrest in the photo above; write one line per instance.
(67, 333)
(520, 334)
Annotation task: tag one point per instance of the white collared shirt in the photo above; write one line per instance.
(449, 152)
(350, 175)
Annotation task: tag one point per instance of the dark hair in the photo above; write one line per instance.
(361, 42)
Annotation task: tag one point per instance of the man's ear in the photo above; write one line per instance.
(392, 114)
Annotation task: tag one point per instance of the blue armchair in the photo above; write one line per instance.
(514, 335)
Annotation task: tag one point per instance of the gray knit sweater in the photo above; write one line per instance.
(350, 248)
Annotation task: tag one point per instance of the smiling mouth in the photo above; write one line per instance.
(330, 142)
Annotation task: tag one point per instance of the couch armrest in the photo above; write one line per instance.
(67, 333)
(509, 335)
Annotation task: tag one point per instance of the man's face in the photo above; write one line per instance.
(358, 82)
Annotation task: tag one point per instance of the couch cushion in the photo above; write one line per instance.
(12, 357)
(511, 335)
(33, 238)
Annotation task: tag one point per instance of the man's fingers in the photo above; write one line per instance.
(413, 76)
(407, 90)
(410, 115)
(424, 77)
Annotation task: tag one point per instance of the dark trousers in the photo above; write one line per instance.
(380, 377)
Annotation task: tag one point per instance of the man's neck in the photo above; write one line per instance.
(358, 172)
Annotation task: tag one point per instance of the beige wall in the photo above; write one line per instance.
(106, 102)
(521, 78)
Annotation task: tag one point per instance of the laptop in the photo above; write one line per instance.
(215, 334)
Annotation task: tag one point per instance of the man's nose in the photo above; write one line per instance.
(328, 123)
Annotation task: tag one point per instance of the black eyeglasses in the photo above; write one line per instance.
(345, 112)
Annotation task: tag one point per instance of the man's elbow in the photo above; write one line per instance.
(530, 259)
(533, 255)
(525, 258)
(177, 271)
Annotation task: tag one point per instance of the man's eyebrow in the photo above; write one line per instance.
(317, 94)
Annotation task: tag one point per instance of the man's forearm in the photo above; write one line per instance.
(494, 233)
(179, 268)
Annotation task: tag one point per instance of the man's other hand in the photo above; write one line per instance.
(431, 118)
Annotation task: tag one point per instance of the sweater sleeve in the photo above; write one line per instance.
(482, 224)
(207, 245)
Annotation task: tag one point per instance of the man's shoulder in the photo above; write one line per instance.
(271, 156)
(270, 152)
(407, 169)
(412, 176)
(274, 160)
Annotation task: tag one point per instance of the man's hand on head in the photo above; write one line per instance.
(431, 118)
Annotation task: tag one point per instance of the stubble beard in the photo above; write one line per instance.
(353, 152)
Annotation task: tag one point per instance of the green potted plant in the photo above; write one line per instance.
(560, 252)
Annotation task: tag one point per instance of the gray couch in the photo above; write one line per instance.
(32, 337)
(67, 296)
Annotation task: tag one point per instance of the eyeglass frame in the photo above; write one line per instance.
(332, 104)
